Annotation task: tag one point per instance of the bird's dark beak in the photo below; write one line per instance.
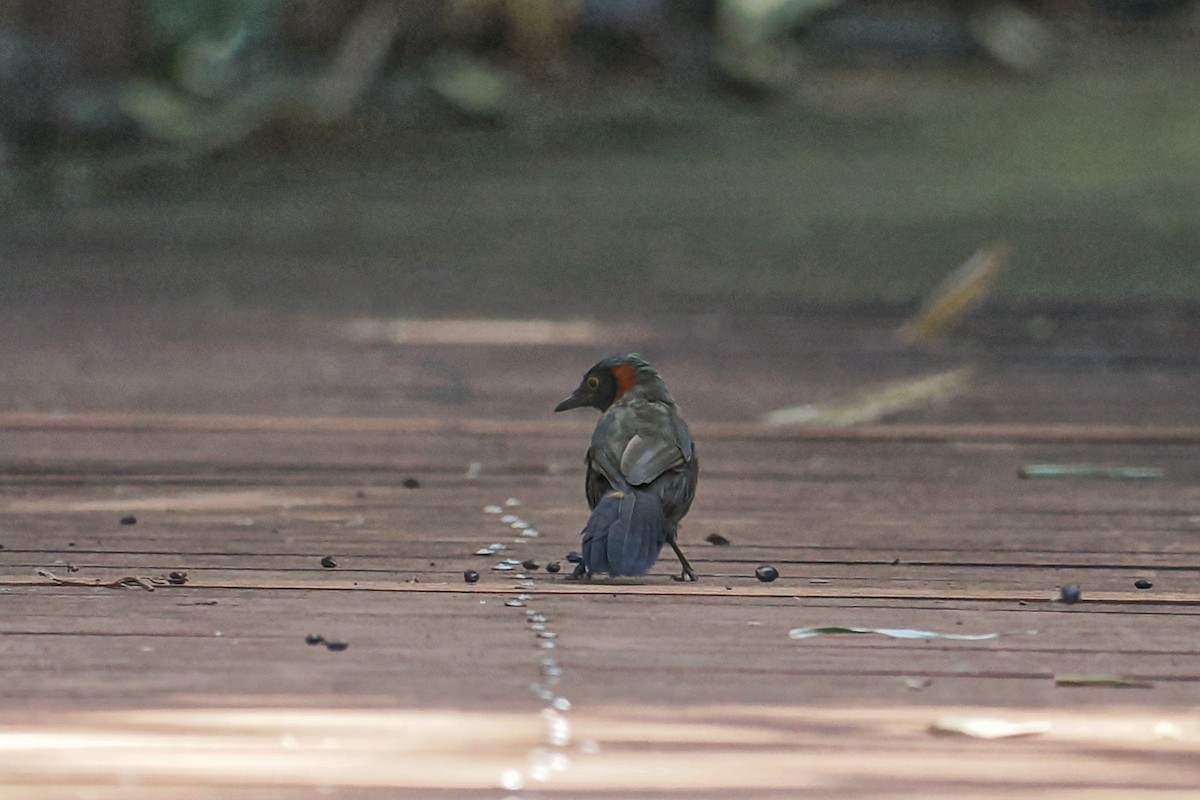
(581, 397)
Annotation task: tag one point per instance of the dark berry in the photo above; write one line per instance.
(328, 562)
(411, 483)
(336, 647)
(766, 573)
(553, 566)
(1070, 594)
(1142, 583)
(314, 638)
(177, 578)
(129, 520)
(470, 576)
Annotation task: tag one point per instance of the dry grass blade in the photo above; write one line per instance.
(954, 296)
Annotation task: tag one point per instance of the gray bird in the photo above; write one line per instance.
(641, 469)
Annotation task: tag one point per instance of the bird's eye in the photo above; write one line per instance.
(593, 382)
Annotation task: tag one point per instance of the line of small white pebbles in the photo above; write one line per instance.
(543, 761)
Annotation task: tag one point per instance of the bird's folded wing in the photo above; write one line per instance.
(647, 457)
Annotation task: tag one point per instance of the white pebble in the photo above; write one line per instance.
(512, 780)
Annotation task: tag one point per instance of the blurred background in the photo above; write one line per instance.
(604, 158)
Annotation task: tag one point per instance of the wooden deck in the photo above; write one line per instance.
(112, 688)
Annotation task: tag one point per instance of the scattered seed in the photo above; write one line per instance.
(130, 520)
(411, 483)
(766, 573)
(530, 565)
(573, 557)
(470, 576)
(314, 638)
(328, 562)
(336, 647)
(485, 551)
(519, 525)
(547, 635)
(177, 578)
(492, 509)
(553, 566)
(537, 626)
(473, 470)
(531, 533)
(1070, 594)
(561, 704)
(498, 546)
(716, 539)
(512, 501)
(1142, 583)
(514, 603)
(502, 567)
(509, 518)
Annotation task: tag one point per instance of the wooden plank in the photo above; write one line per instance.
(697, 674)
(225, 423)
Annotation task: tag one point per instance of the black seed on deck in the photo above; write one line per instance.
(1142, 583)
(177, 578)
(411, 483)
(530, 564)
(336, 647)
(766, 573)
(314, 638)
(470, 576)
(553, 566)
(131, 520)
(574, 557)
(1070, 594)
(328, 562)
(716, 539)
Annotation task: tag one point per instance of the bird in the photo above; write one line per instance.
(642, 469)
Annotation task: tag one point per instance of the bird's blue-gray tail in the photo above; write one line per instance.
(624, 534)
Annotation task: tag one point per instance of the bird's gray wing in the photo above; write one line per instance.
(647, 456)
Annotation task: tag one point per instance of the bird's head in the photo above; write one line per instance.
(609, 380)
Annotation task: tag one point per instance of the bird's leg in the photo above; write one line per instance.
(688, 574)
(579, 573)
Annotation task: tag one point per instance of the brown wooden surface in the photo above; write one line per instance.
(208, 689)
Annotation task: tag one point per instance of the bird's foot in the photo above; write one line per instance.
(685, 575)
(580, 573)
